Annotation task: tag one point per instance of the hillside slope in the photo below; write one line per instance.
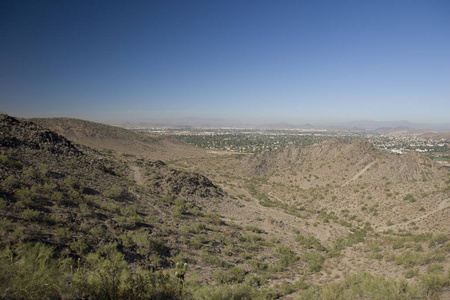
(75, 223)
(336, 161)
(122, 142)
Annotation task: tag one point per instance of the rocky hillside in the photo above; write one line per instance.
(78, 223)
(120, 142)
(27, 135)
(336, 161)
(83, 210)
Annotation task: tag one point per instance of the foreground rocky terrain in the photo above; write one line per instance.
(94, 211)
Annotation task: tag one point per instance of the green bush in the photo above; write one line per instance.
(10, 181)
(232, 276)
(441, 238)
(79, 246)
(30, 215)
(310, 242)
(72, 183)
(433, 283)
(254, 229)
(252, 280)
(287, 258)
(194, 228)
(225, 292)
(9, 162)
(213, 260)
(25, 196)
(103, 274)
(315, 261)
(410, 273)
(409, 197)
(30, 271)
(363, 286)
(115, 192)
(435, 268)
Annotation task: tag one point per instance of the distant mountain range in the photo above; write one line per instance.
(351, 125)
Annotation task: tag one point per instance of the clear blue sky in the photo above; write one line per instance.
(299, 61)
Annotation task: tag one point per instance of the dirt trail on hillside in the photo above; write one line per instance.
(272, 219)
(358, 174)
(137, 176)
(443, 205)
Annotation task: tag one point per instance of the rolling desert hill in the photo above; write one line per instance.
(352, 176)
(336, 161)
(335, 220)
(119, 141)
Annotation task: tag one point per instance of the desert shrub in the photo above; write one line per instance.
(180, 207)
(131, 215)
(254, 229)
(57, 196)
(30, 172)
(441, 238)
(433, 283)
(72, 183)
(409, 197)
(25, 196)
(30, 271)
(252, 238)
(148, 245)
(258, 265)
(410, 273)
(378, 256)
(199, 241)
(225, 292)
(63, 232)
(229, 250)
(368, 226)
(79, 246)
(363, 286)
(398, 245)
(221, 276)
(148, 284)
(435, 268)
(74, 195)
(9, 162)
(114, 192)
(30, 214)
(233, 275)
(315, 261)
(252, 280)
(10, 181)
(310, 242)
(167, 199)
(111, 207)
(356, 236)
(418, 247)
(287, 258)
(194, 228)
(407, 259)
(213, 260)
(103, 274)
(446, 247)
